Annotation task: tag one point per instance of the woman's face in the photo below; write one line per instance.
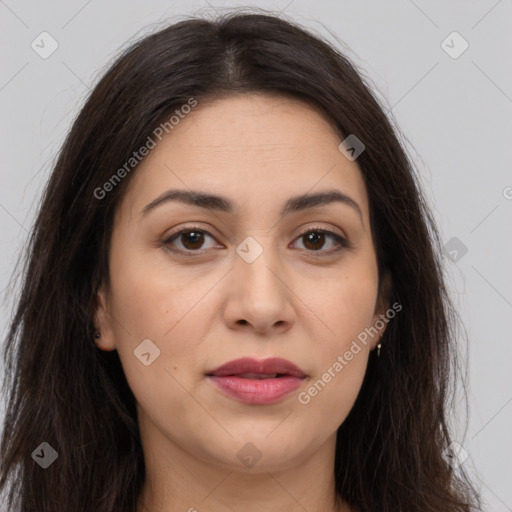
(244, 280)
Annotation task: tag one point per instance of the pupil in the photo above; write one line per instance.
(315, 238)
(195, 238)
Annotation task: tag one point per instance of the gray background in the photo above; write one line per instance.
(454, 112)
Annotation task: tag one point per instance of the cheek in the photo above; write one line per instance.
(347, 307)
(151, 295)
(168, 307)
(150, 307)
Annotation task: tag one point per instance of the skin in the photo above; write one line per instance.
(205, 310)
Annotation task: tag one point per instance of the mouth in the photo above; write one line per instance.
(256, 382)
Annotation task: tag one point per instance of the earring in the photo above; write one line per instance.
(378, 349)
(97, 334)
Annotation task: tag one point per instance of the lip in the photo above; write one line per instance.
(238, 379)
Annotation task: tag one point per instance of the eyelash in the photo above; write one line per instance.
(342, 242)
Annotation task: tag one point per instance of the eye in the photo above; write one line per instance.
(191, 239)
(315, 239)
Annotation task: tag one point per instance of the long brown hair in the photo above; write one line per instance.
(63, 391)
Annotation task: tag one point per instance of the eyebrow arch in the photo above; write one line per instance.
(223, 204)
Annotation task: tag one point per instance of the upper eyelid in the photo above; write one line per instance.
(301, 232)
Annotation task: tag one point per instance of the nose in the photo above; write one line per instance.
(260, 295)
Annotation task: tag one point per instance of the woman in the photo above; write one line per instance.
(233, 297)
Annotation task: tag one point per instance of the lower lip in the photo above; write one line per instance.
(257, 391)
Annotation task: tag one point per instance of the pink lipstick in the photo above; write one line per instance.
(257, 382)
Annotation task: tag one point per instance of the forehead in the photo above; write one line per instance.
(253, 122)
(255, 149)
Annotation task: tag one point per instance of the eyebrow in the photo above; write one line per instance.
(223, 204)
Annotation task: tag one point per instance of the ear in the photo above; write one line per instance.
(380, 319)
(103, 322)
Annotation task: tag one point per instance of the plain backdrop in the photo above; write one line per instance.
(453, 105)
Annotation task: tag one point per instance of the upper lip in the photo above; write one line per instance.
(274, 365)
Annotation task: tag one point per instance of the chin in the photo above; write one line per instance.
(261, 450)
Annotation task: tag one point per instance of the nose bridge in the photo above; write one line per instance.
(260, 295)
(258, 263)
